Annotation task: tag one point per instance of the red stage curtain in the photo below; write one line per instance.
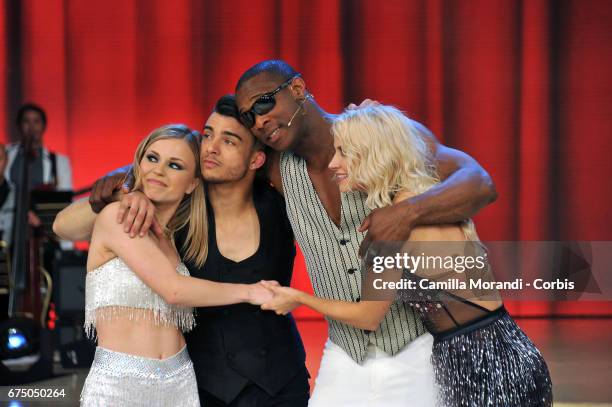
(3, 68)
(522, 86)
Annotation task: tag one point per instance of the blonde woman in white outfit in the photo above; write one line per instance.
(138, 292)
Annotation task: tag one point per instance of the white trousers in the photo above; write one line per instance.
(405, 379)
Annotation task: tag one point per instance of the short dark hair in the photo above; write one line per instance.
(227, 106)
(31, 107)
(275, 67)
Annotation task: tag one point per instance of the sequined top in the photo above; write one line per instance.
(114, 290)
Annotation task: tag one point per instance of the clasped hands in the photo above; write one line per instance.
(136, 213)
(271, 296)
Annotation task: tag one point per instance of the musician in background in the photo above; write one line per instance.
(48, 170)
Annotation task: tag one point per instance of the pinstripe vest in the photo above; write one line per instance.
(332, 261)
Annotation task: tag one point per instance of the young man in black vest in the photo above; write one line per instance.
(243, 356)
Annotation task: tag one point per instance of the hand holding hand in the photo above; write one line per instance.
(285, 300)
(259, 294)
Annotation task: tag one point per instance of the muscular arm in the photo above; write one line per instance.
(466, 187)
(154, 268)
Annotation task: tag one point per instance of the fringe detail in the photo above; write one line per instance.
(114, 291)
(493, 366)
(180, 317)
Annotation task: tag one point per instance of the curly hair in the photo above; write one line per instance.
(385, 155)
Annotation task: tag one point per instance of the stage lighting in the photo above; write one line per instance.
(18, 337)
(16, 340)
(26, 352)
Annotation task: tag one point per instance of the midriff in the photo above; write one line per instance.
(140, 337)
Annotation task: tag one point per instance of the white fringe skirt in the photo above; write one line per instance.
(120, 379)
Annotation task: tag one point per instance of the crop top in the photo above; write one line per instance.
(114, 290)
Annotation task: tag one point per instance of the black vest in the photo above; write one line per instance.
(237, 344)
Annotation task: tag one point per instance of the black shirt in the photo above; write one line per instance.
(237, 344)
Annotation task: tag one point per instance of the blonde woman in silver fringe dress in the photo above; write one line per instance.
(139, 294)
(480, 356)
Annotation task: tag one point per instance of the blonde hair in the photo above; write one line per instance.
(192, 209)
(385, 155)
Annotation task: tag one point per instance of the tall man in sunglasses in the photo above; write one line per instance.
(390, 366)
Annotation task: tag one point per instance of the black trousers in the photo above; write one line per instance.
(295, 394)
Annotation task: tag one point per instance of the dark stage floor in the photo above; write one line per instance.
(578, 353)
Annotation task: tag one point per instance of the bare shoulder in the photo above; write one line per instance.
(107, 217)
(106, 227)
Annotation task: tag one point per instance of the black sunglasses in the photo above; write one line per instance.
(263, 105)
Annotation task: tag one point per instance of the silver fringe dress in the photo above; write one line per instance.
(120, 379)
(480, 357)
